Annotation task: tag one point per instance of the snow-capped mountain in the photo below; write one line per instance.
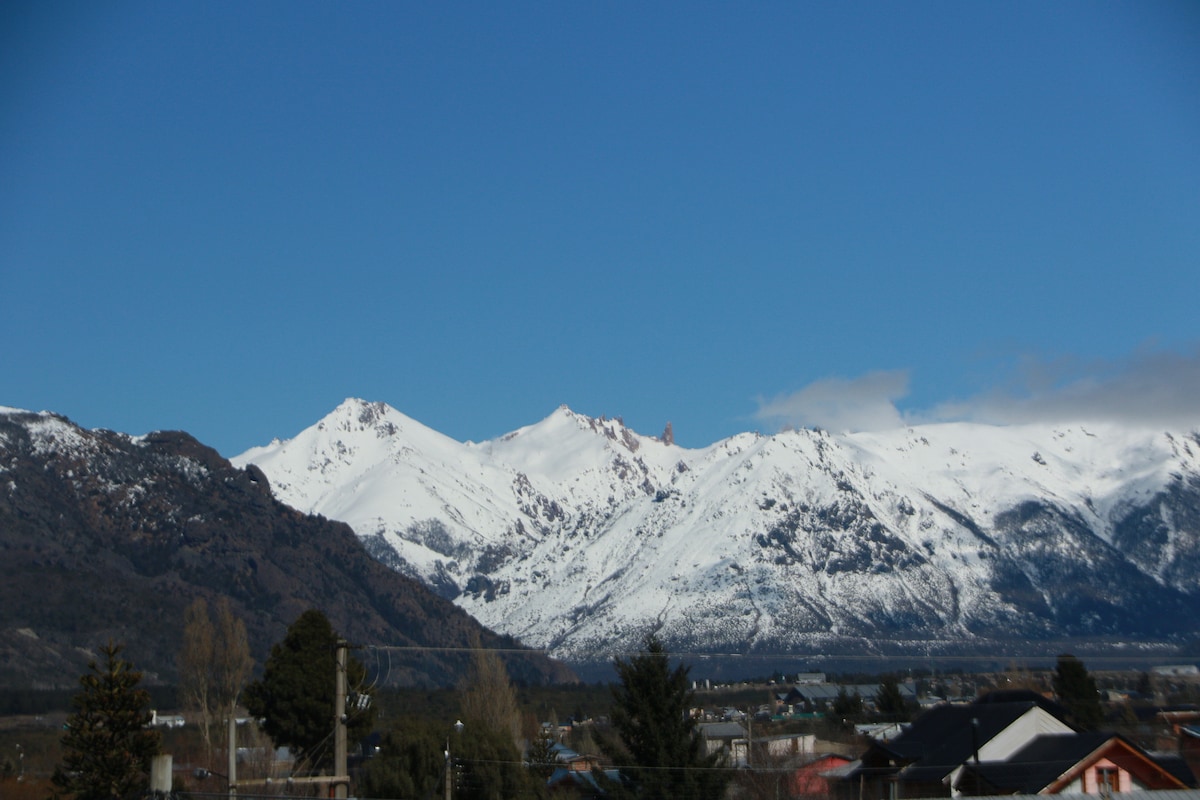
(577, 534)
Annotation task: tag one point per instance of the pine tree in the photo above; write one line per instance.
(890, 702)
(541, 758)
(108, 747)
(487, 766)
(410, 763)
(664, 757)
(1076, 690)
(296, 694)
(847, 706)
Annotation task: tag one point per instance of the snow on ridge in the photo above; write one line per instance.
(566, 445)
(1096, 466)
(575, 530)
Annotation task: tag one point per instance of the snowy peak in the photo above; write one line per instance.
(566, 445)
(577, 533)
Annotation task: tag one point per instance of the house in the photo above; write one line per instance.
(576, 773)
(729, 736)
(1007, 743)
(928, 758)
(566, 758)
(158, 720)
(816, 696)
(1075, 763)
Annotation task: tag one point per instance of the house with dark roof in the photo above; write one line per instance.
(1007, 743)
(1076, 763)
(927, 759)
(820, 696)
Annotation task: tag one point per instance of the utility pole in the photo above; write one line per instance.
(231, 770)
(341, 787)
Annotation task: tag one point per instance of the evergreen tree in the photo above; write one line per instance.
(847, 706)
(890, 702)
(295, 697)
(1077, 691)
(488, 766)
(411, 763)
(107, 747)
(1145, 687)
(660, 755)
(540, 758)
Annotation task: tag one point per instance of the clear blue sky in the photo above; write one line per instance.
(227, 217)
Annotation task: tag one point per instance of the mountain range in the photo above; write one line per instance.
(579, 535)
(106, 536)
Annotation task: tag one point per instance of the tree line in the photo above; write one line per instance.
(486, 754)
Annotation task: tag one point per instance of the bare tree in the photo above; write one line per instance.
(214, 663)
(231, 659)
(195, 666)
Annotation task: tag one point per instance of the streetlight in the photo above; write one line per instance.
(449, 778)
(20, 764)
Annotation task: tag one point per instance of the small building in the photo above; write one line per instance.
(158, 720)
(728, 736)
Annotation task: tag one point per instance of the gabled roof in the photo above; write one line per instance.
(1037, 765)
(944, 733)
(1051, 760)
(945, 737)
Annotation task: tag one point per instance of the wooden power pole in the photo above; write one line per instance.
(341, 773)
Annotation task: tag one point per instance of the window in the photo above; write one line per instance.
(1108, 780)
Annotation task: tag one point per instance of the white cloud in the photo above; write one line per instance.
(841, 404)
(1150, 387)
(1157, 388)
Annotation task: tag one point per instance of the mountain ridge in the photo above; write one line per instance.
(577, 534)
(106, 535)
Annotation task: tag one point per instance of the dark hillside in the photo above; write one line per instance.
(107, 536)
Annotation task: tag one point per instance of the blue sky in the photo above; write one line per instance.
(227, 217)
